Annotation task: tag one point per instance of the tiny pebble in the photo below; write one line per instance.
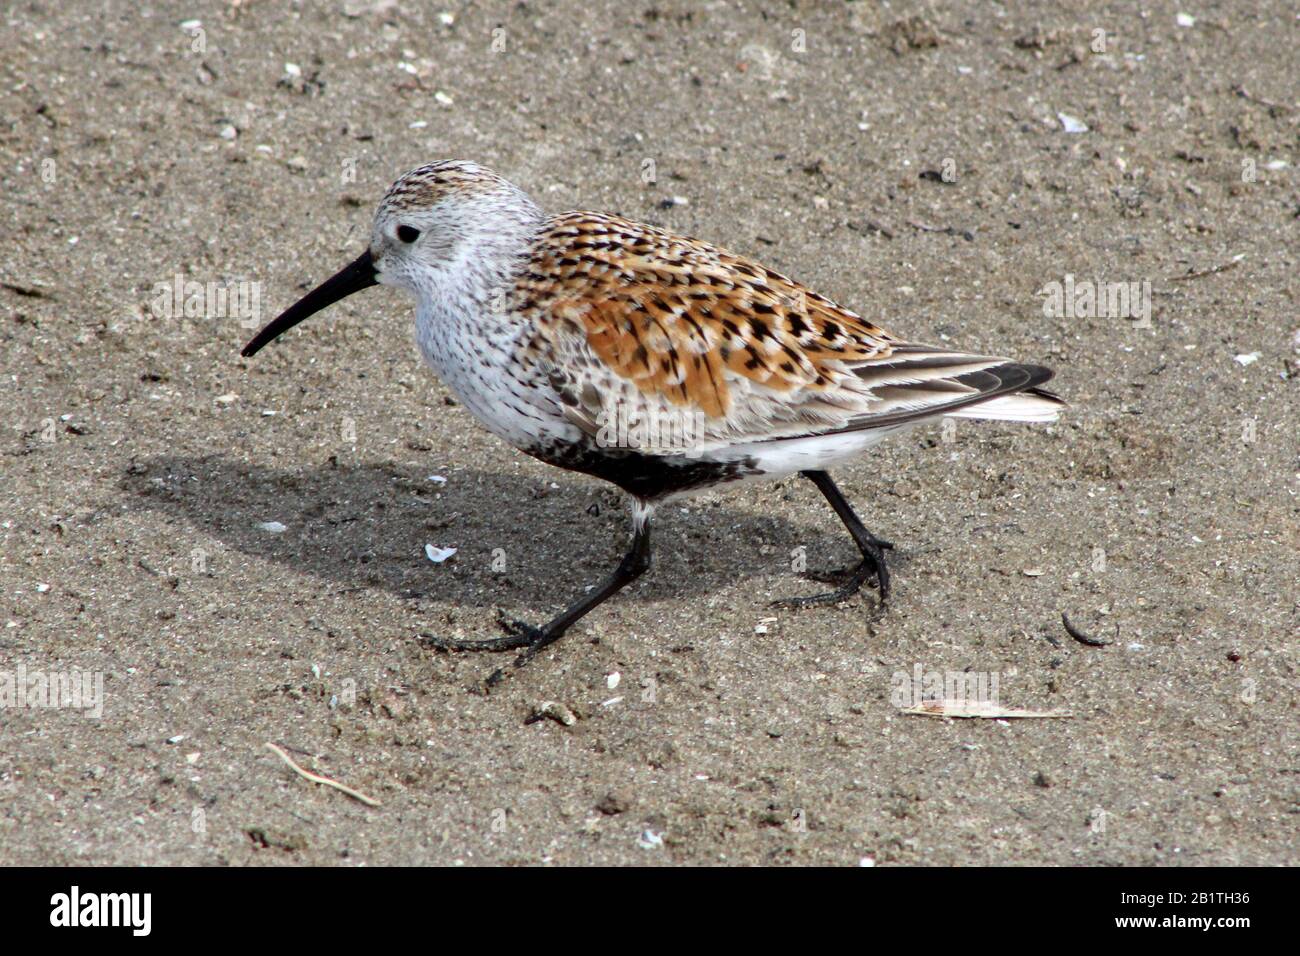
(555, 711)
(616, 801)
(1072, 125)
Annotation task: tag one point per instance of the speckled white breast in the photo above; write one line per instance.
(475, 353)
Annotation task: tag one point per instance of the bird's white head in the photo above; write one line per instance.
(446, 229)
(448, 218)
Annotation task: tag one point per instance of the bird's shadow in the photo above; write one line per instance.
(520, 538)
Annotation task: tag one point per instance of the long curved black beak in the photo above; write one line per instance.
(358, 275)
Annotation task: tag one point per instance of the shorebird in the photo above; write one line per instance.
(660, 363)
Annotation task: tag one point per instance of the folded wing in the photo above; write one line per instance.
(644, 323)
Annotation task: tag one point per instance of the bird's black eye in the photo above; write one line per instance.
(408, 233)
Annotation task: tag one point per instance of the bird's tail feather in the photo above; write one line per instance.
(1031, 405)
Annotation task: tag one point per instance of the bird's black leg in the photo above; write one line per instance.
(532, 639)
(872, 548)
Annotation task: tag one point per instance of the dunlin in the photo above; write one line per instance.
(656, 362)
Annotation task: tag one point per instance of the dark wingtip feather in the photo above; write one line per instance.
(1038, 375)
(1005, 379)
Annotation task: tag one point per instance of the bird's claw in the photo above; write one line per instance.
(525, 634)
(872, 566)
